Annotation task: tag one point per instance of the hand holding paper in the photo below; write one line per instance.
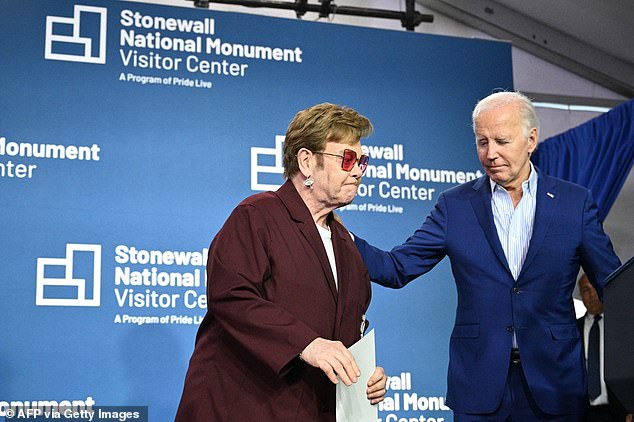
(376, 386)
(333, 358)
(353, 402)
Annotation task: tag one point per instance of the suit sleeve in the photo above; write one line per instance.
(237, 270)
(418, 255)
(597, 254)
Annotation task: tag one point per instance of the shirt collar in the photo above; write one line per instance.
(529, 185)
(590, 317)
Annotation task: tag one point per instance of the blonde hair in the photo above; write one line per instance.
(314, 127)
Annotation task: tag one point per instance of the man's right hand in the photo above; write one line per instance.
(333, 358)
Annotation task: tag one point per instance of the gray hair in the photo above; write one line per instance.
(499, 99)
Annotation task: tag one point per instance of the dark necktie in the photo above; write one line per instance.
(594, 360)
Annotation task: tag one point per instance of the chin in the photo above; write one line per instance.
(345, 201)
(497, 178)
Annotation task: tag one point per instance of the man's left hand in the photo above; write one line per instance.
(376, 386)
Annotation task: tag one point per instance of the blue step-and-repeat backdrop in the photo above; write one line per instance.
(129, 131)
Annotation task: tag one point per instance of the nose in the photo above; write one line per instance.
(356, 171)
(492, 152)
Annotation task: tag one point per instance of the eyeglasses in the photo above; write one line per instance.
(349, 159)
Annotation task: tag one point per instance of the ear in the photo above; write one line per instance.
(305, 162)
(532, 139)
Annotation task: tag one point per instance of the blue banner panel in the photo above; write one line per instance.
(128, 133)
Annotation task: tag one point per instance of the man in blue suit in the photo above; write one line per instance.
(515, 239)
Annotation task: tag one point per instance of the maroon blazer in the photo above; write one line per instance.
(270, 293)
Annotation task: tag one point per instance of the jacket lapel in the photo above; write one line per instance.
(546, 202)
(339, 245)
(481, 203)
(301, 215)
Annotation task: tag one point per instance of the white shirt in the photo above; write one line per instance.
(587, 324)
(326, 238)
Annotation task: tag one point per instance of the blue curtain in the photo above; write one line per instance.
(597, 154)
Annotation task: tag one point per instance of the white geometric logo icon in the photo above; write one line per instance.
(68, 40)
(78, 277)
(257, 168)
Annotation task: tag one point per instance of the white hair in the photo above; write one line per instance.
(499, 99)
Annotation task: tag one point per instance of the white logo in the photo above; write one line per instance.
(68, 40)
(256, 168)
(85, 259)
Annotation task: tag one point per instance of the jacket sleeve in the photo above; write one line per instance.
(237, 270)
(597, 254)
(418, 255)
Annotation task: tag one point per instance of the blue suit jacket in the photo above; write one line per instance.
(537, 307)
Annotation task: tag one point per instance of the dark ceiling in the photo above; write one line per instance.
(592, 38)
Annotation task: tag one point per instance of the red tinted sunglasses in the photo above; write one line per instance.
(349, 159)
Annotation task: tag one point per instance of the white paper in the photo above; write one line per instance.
(352, 401)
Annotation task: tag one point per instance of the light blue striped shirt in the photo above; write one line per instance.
(515, 224)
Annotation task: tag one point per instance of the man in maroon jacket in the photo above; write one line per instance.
(287, 289)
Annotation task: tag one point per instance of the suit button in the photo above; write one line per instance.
(516, 290)
(509, 328)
